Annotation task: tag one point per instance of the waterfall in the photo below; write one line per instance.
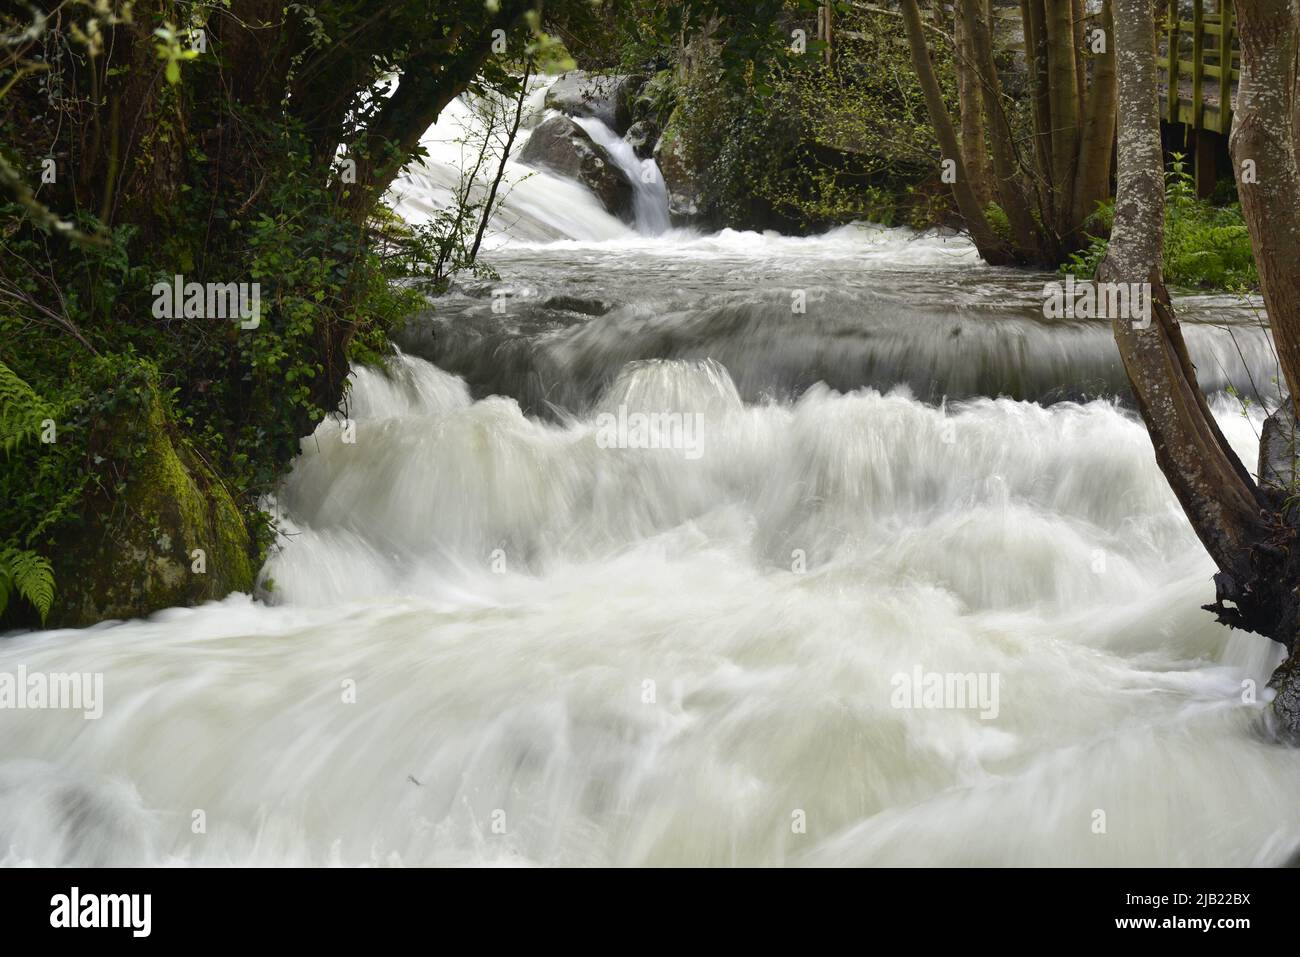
(650, 195)
(539, 205)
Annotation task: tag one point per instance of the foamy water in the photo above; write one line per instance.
(490, 636)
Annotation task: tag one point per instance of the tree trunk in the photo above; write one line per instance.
(1249, 540)
(1078, 14)
(971, 99)
(1063, 96)
(1033, 21)
(992, 249)
(1010, 193)
(1263, 135)
(1092, 181)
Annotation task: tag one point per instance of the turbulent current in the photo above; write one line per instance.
(499, 629)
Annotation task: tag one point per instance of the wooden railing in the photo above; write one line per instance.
(1200, 91)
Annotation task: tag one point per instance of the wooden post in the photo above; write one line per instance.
(1225, 66)
(1198, 62)
(1171, 102)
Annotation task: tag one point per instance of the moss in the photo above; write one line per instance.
(137, 554)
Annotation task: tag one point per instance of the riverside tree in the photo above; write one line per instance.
(1247, 523)
(246, 143)
(1044, 183)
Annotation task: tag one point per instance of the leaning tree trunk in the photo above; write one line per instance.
(1264, 143)
(991, 248)
(1238, 522)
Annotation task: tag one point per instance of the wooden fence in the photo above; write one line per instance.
(1200, 85)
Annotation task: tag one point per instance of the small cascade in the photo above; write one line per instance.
(650, 195)
(539, 205)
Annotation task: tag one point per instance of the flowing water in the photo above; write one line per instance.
(487, 636)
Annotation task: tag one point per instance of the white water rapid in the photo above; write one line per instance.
(490, 635)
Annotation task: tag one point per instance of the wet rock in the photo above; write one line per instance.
(1278, 459)
(1286, 706)
(562, 146)
(642, 136)
(678, 174)
(139, 555)
(587, 307)
(607, 98)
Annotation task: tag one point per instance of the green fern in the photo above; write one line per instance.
(22, 572)
(28, 574)
(22, 411)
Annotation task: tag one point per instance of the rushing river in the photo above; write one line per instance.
(487, 637)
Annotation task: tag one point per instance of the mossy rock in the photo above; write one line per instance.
(137, 554)
(672, 157)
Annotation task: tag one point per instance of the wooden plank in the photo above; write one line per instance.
(1171, 100)
(1226, 72)
(1189, 66)
(1198, 60)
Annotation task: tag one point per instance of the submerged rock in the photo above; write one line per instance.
(607, 98)
(587, 307)
(562, 146)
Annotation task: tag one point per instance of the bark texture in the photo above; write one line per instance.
(1243, 526)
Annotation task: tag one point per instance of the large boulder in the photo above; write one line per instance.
(678, 174)
(172, 537)
(607, 98)
(562, 146)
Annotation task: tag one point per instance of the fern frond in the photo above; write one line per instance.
(22, 410)
(28, 574)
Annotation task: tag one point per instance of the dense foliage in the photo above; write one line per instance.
(808, 144)
(1206, 245)
(240, 143)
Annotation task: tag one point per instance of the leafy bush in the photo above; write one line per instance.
(1206, 246)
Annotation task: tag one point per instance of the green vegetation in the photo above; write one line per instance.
(1206, 246)
(801, 145)
(134, 435)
